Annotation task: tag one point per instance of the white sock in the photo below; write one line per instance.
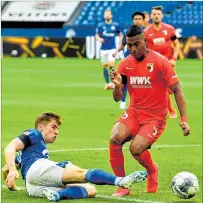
(118, 179)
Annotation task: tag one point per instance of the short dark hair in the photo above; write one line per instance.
(160, 8)
(137, 13)
(47, 117)
(133, 30)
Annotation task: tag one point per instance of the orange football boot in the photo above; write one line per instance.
(120, 192)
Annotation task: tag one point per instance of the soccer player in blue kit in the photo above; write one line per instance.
(54, 180)
(138, 19)
(106, 33)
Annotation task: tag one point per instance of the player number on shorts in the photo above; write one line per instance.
(125, 115)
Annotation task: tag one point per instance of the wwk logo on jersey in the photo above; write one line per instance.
(158, 41)
(140, 82)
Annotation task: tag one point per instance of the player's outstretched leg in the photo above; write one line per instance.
(138, 149)
(51, 195)
(74, 174)
(152, 169)
(100, 177)
(72, 192)
(135, 177)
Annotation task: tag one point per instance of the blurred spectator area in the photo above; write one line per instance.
(176, 12)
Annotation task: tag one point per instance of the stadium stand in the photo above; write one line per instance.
(175, 12)
(91, 13)
(50, 23)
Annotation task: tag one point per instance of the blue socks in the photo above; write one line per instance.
(106, 74)
(74, 192)
(100, 177)
(95, 176)
(124, 93)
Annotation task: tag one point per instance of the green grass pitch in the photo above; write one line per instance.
(74, 88)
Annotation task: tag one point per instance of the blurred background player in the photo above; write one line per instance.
(161, 37)
(106, 33)
(54, 180)
(146, 19)
(148, 75)
(138, 19)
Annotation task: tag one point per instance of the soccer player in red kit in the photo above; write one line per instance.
(148, 76)
(160, 37)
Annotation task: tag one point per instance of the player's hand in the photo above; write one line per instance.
(185, 127)
(101, 40)
(173, 62)
(10, 180)
(115, 77)
(114, 54)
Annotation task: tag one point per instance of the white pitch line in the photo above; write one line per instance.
(127, 199)
(105, 148)
(112, 198)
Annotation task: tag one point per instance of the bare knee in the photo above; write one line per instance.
(115, 138)
(90, 189)
(73, 174)
(119, 134)
(136, 149)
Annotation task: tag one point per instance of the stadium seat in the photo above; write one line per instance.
(177, 12)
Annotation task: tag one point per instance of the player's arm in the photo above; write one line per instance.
(176, 48)
(98, 38)
(121, 47)
(175, 45)
(172, 82)
(10, 152)
(98, 34)
(181, 103)
(120, 81)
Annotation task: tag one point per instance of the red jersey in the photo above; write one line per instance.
(148, 83)
(160, 40)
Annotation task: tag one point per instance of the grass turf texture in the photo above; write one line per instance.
(74, 88)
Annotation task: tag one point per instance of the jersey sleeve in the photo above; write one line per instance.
(121, 68)
(99, 30)
(168, 72)
(29, 138)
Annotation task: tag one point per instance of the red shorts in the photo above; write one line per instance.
(150, 129)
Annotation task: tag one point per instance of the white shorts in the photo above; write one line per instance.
(106, 56)
(42, 174)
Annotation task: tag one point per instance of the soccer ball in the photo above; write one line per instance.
(185, 185)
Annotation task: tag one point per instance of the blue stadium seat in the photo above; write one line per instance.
(176, 12)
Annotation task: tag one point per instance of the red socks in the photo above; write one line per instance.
(117, 160)
(145, 160)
